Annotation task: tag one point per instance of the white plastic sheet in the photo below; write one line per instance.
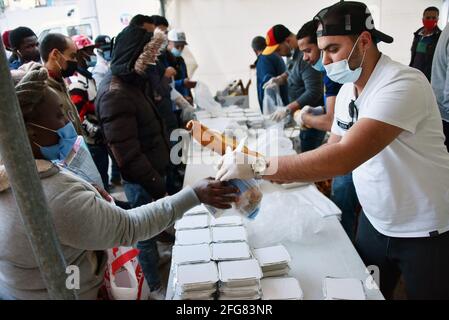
(272, 99)
(205, 100)
(279, 221)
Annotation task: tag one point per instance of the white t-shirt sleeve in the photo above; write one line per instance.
(336, 129)
(402, 102)
(341, 107)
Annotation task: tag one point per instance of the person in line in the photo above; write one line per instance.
(135, 132)
(86, 222)
(425, 42)
(25, 46)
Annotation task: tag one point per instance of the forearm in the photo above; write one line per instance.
(318, 165)
(294, 106)
(91, 223)
(322, 122)
(152, 219)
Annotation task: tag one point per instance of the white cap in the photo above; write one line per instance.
(177, 36)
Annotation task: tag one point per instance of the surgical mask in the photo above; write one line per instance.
(430, 24)
(318, 66)
(72, 66)
(93, 62)
(67, 138)
(80, 162)
(341, 72)
(107, 55)
(176, 52)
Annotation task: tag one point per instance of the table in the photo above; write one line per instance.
(330, 254)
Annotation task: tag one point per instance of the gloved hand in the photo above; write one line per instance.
(298, 116)
(270, 84)
(188, 112)
(236, 165)
(280, 114)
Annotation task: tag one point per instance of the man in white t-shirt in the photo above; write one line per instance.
(388, 130)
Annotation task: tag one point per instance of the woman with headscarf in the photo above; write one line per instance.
(86, 222)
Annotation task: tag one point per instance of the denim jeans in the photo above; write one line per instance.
(101, 159)
(115, 171)
(422, 262)
(311, 139)
(149, 255)
(345, 197)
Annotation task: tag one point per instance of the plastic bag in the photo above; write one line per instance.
(272, 99)
(278, 221)
(205, 100)
(250, 199)
(124, 279)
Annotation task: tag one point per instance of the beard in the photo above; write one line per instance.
(356, 59)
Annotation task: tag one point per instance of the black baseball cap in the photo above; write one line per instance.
(348, 18)
(103, 42)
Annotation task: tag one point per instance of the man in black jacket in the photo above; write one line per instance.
(134, 131)
(425, 42)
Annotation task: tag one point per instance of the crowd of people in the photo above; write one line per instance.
(120, 99)
(86, 103)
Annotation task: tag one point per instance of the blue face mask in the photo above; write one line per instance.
(107, 55)
(67, 139)
(341, 72)
(318, 66)
(93, 62)
(177, 53)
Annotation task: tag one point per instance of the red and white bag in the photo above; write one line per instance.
(124, 279)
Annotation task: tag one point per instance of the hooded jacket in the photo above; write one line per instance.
(132, 127)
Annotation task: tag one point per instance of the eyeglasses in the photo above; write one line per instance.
(353, 112)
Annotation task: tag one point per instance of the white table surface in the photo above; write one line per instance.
(330, 254)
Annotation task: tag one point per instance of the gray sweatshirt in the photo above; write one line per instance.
(86, 226)
(305, 84)
(440, 74)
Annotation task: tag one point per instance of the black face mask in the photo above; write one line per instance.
(71, 68)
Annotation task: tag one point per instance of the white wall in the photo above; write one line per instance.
(220, 31)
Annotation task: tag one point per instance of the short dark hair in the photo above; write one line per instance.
(160, 21)
(140, 19)
(259, 43)
(17, 36)
(432, 9)
(53, 41)
(308, 30)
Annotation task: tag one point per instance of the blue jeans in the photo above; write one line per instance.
(345, 197)
(311, 139)
(115, 171)
(148, 256)
(101, 159)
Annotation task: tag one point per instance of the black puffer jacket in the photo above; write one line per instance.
(131, 124)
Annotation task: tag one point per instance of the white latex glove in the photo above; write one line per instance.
(236, 165)
(279, 115)
(188, 114)
(299, 115)
(270, 84)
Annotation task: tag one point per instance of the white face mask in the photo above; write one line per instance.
(341, 72)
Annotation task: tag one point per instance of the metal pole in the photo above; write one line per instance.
(163, 2)
(27, 189)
